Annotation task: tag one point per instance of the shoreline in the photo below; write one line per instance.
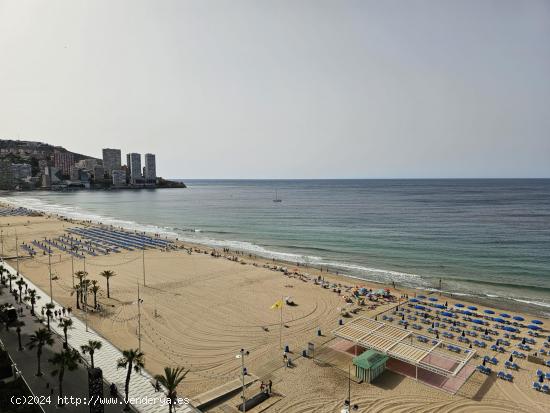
(198, 309)
(502, 303)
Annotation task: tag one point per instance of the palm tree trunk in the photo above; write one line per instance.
(38, 354)
(61, 374)
(92, 358)
(95, 300)
(108, 294)
(77, 300)
(19, 338)
(48, 322)
(32, 307)
(127, 385)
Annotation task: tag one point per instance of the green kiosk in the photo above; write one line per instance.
(369, 365)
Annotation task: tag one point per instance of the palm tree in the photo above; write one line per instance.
(39, 339)
(77, 290)
(95, 289)
(91, 347)
(65, 324)
(132, 358)
(32, 297)
(80, 275)
(2, 271)
(171, 380)
(20, 283)
(108, 274)
(49, 307)
(18, 324)
(64, 360)
(11, 277)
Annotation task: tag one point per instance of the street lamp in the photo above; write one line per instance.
(241, 356)
(348, 407)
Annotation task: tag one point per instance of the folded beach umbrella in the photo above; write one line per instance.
(413, 300)
(472, 307)
(505, 315)
(432, 299)
(537, 322)
(519, 318)
(533, 327)
(488, 311)
(459, 305)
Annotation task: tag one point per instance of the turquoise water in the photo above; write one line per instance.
(486, 239)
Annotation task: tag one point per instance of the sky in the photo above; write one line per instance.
(285, 88)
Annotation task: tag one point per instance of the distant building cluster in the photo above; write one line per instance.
(30, 165)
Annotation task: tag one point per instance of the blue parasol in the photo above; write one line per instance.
(459, 305)
(413, 300)
(447, 314)
(533, 327)
(537, 322)
(472, 307)
(499, 320)
(432, 299)
(505, 315)
(468, 312)
(511, 329)
(488, 311)
(519, 318)
(421, 297)
(419, 307)
(439, 306)
(477, 321)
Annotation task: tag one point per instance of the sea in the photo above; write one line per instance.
(485, 240)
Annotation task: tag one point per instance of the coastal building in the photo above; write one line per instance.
(89, 163)
(63, 161)
(119, 178)
(133, 160)
(99, 172)
(21, 171)
(74, 173)
(150, 169)
(111, 160)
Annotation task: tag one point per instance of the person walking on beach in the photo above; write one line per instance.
(269, 385)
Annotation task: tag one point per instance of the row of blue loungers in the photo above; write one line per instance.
(120, 239)
(480, 326)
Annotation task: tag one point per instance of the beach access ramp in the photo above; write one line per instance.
(217, 393)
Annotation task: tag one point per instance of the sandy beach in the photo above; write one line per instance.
(199, 310)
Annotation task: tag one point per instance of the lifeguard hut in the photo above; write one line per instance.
(369, 365)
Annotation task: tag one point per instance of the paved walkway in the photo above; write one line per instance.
(140, 384)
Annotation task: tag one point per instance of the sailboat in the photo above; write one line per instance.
(277, 199)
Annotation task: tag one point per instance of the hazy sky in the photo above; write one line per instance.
(283, 89)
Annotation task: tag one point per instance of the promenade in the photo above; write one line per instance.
(76, 383)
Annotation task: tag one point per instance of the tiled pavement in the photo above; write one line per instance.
(106, 358)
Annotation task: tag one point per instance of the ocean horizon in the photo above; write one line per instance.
(485, 239)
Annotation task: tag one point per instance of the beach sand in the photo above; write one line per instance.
(198, 311)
